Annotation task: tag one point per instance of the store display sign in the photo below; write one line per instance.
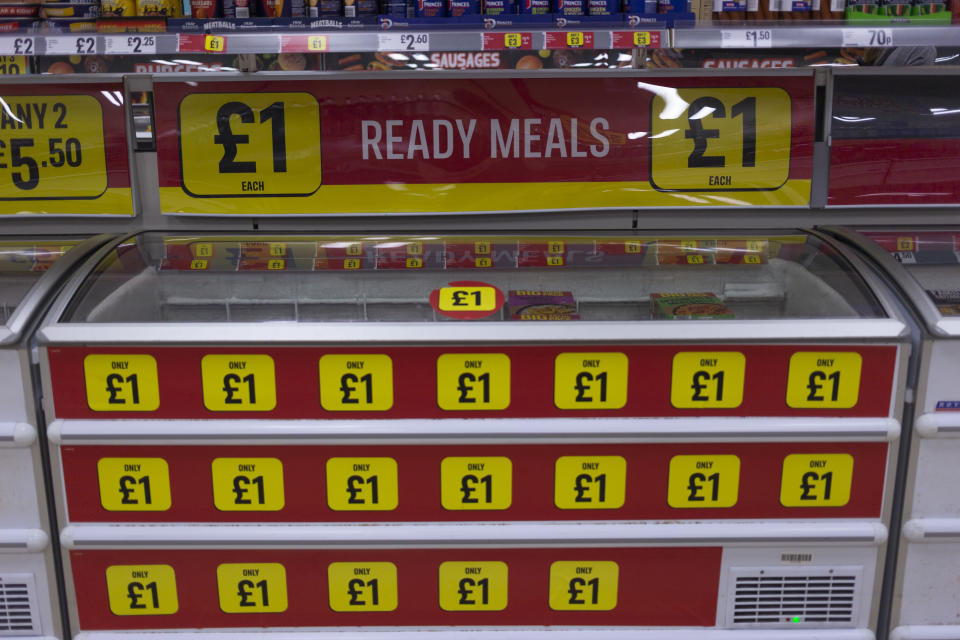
(359, 146)
(63, 150)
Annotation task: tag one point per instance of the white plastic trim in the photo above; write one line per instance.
(75, 432)
(17, 434)
(23, 540)
(496, 633)
(932, 530)
(926, 632)
(939, 425)
(455, 535)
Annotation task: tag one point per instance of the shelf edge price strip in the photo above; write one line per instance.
(18, 46)
(635, 39)
(304, 44)
(71, 45)
(507, 41)
(867, 37)
(130, 44)
(569, 40)
(746, 39)
(407, 41)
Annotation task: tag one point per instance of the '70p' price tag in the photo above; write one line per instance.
(746, 39)
(403, 42)
(134, 44)
(868, 37)
(19, 46)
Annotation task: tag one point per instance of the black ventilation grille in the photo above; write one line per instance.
(17, 616)
(772, 597)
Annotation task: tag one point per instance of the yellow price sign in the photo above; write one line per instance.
(362, 484)
(215, 44)
(468, 299)
(726, 140)
(248, 484)
(476, 483)
(590, 482)
(631, 246)
(574, 39)
(473, 381)
(351, 263)
(473, 586)
(414, 263)
(584, 586)
(121, 382)
(53, 148)
(252, 588)
(317, 43)
(142, 590)
(199, 265)
(362, 586)
(641, 38)
(816, 480)
(590, 380)
(824, 380)
(14, 65)
(361, 382)
(134, 484)
(512, 40)
(905, 243)
(250, 144)
(698, 482)
(202, 250)
(239, 382)
(707, 379)
(483, 262)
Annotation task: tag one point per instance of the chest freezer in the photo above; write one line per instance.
(592, 435)
(925, 264)
(31, 268)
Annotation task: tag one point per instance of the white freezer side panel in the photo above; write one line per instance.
(931, 584)
(943, 371)
(36, 565)
(13, 406)
(18, 492)
(937, 472)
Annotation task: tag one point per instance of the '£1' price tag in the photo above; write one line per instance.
(215, 44)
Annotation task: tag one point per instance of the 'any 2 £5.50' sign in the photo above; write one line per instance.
(64, 153)
(461, 145)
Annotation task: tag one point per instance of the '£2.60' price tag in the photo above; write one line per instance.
(403, 42)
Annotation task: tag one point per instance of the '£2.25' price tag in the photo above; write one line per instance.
(132, 44)
(51, 147)
(250, 144)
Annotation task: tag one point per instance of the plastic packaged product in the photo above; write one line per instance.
(572, 7)
(542, 305)
(688, 306)
(65, 10)
(160, 8)
(603, 7)
(118, 8)
(18, 10)
(499, 7)
(457, 8)
(354, 8)
(203, 9)
(281, 8)
(236, 9)
(396, 8)
(429, 8)
(535, 7)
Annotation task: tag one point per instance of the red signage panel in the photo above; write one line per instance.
(461, 144)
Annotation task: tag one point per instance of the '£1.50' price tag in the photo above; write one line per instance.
(51, 147)
(746, 39)
(250, 144)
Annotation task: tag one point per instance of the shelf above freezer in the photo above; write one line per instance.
(156, 278)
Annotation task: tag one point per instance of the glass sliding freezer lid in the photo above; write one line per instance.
(931, 256)
(155, 277)
(22, 262)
